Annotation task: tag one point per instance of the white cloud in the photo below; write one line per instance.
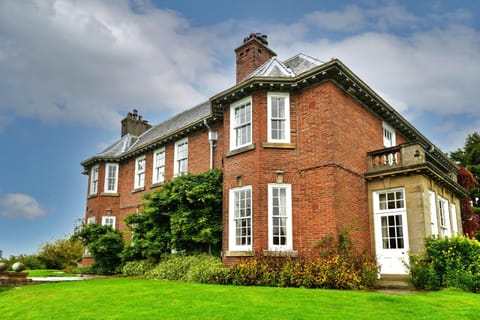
(351, 18)
(21, 206)
(89, 61)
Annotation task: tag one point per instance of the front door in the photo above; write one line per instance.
(391, 231)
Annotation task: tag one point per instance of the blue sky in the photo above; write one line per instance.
(70, 70)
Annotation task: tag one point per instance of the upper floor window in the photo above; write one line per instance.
(444, 217)
(158, 165)
(108, 221)
(140, 172)
(181, 157)
(278, 106)
(389, 138)
(433, 213)
(111, 178)
(94, 180)
(240, 218)
(279, 217)
(241, 123)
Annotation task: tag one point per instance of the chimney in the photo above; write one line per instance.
(134, 124)
(252, 54)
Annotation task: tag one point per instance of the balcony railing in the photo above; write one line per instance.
(405, 156)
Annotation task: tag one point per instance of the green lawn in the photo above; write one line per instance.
(123, 298)
(49, 273)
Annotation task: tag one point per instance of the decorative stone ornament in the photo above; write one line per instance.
(3, 266)
(18, 267)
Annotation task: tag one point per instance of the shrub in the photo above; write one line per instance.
(333, 272)
(201, 268)
(447, 262)
(137, 268)
(31, 261)
(61, 254)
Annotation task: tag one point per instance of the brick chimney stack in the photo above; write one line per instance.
(134, 124)
(252, 54)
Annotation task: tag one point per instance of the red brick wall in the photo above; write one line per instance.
(250, 56)
(332, 135)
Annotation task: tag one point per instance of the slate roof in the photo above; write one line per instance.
(129, 144)
(290, 68)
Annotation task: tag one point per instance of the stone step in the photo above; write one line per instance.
(395, 282)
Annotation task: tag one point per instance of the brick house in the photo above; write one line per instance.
(307, 150)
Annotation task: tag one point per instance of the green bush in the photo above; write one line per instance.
(31, 261)
(447, 262)
(201, 268)
(137, 268)
(333, 272)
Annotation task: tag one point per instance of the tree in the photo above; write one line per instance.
(469, 157)
(105, 244)
(185, 215)
(61, 253)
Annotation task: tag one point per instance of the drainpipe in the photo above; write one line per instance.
(212, 137)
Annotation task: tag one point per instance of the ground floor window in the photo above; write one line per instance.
(444, 217)
(240, 218)
(108, 221)
(280, 216)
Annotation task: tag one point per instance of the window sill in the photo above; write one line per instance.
(278, 145)
(110, 194)
(138, 190)
(90, 196)
(281, 254)
(250, 253)
(240, 150)
(157, 184)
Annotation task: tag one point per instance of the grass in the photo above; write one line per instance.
(124, 298)
(49, 273)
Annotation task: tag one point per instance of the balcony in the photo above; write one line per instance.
(411, 158)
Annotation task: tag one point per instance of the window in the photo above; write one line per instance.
(140, 172)
(158, 166)
(279, 217)
(391, 200)
(241, 123)
(181, 157)
(391, 219)
(111, 178)
(444, 217)
(278, 117)
(389, 138)
(433, 214)
(240, 212)
(108, 221)
(453, 211)
(94, 180)
(91, 220)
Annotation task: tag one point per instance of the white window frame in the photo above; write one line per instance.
(109, 221)
(389, 136)
(158, 174)
(287, 215)
(94, 180)
(91, 220)
(453, 212)
(246, 103)
(286, 119)
(140, 172)
(178, 169)
(444, 209)
(232, 235)
(433, 213)
(106, 185)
